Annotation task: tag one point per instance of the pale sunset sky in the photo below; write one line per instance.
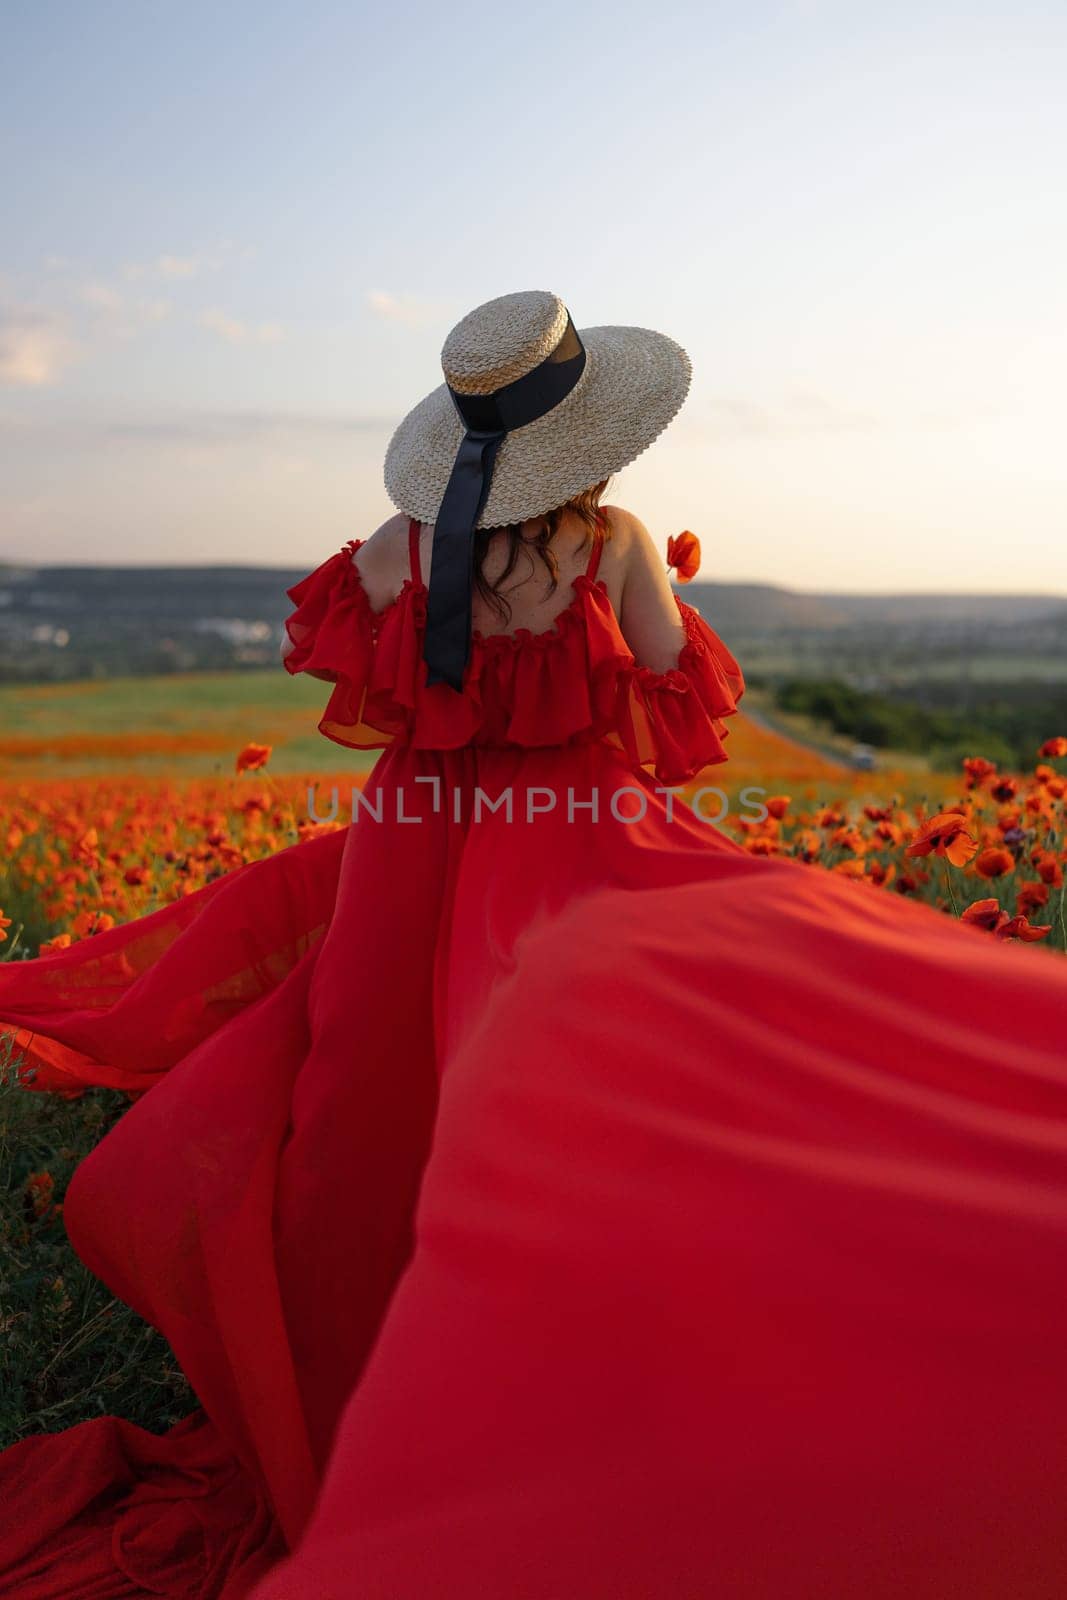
(235, 237)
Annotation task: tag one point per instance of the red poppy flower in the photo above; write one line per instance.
(1054, 748)
(1019, 928)
(1031, 896)
(683, 554)
(994, 862)
(988, 914)
(86, 849)
(977, 768)
(88, 922)
(40, 1187)
(1050, 872)
(944, 835)
(253, 756)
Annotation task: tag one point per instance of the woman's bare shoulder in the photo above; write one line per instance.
(384, 542)
(648, 615)
(382, 560)
(631, 543)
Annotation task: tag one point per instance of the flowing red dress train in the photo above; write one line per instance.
(545, 1197)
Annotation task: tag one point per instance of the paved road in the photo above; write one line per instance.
(770, 723)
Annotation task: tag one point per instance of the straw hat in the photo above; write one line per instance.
(631, 385)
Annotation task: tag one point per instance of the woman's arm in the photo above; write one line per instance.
(648, 613)
(382, 568)
(288, 646)
(382, 561)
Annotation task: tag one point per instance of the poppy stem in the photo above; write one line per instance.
(951, 890)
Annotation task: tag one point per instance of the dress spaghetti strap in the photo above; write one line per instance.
(414, 531)
(598, 545)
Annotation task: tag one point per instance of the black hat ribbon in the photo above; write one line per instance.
(488, 418)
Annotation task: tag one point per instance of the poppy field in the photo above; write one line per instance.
(118, 798)
(123, 798)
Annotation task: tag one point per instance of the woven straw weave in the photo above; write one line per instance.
(634, 383)
(502, 340)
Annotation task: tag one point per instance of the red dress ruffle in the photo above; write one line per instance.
(575, 683)
(552, 1201)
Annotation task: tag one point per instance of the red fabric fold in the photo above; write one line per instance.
(674, 720)
(119, 1009)
(105, 1508)
(580, 1208)
(576, 682)
(332, 631)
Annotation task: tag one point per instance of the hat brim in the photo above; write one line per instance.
(633, 384)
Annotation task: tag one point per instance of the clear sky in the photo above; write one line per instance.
(234, 237)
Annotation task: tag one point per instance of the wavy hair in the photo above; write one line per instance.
(585, 506)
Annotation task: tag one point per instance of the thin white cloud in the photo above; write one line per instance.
(407, 309)
(237, 332)
(117, 315)
(119, 307)
(231, 427)
(181, 264)
(220, 428)
(139, 315)
(100, 296)
(170, 264)
(34, 349)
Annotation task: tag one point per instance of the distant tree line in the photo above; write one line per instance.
(1007, 728)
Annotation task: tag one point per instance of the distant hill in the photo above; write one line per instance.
(83, 621)
(765, 605)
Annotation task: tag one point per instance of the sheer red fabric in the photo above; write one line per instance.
(548, 1198)
(574, 683)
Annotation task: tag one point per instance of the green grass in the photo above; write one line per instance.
(230, 708)
(30, 925)
(171, 702)
(816, 658)
(68, 1349)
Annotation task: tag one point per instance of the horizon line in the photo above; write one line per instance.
(16, 567)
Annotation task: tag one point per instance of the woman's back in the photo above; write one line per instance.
(609, 654)
(628, 566)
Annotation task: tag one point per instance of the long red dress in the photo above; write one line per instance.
(562, 1205)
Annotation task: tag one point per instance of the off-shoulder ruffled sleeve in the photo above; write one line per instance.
(332, 632)
(575, 682)
(673, 721)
